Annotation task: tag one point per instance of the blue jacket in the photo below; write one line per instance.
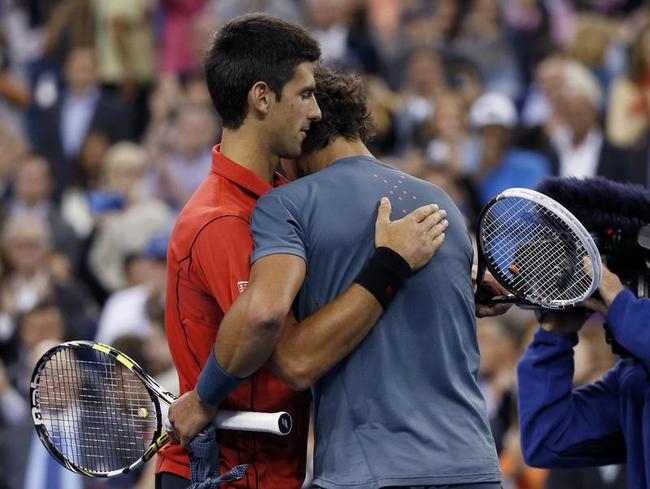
(602, 423)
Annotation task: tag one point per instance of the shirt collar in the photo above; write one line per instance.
(243, 177)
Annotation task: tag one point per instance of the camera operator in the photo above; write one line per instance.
(607, 422)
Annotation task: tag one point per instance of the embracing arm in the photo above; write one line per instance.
(305, 350)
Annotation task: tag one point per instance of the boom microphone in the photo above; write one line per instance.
(617, 215)
(601, 204)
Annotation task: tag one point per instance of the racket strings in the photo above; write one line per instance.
(97, 412)
(534, 253)
(549, 278)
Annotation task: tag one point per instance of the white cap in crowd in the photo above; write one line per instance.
(493, 109)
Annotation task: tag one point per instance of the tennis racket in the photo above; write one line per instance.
(537, 250)
(99, 414)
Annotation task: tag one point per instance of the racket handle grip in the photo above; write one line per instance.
(279, 423)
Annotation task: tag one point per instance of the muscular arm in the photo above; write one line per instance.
(304, 350)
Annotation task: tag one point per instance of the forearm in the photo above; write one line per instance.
(246, 340)
(308, 349)
(250, 330)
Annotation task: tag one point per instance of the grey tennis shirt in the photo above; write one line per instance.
(404, 408)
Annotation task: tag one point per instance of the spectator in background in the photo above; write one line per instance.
(328, 22)
(424, 80)
(42, 322)
(592, 45)
(13, 147)
(484, 39)
(14, 95)
(386, 106)
(74, 202)
(125, 311)
(528, 25)
(33, 195)
(342, 30)
(542, 109)
(195, 90)
(83, 108)
(125, 220)
(126, 53)
(581, 147)
(182, 154)
(176, 52)
(502, 164)
(628, 109)
(26, 243)
(464, 79)
(450, 143)
(71, 24)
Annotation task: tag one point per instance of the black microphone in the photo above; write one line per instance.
(599, 203)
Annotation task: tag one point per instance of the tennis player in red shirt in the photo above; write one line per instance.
(259, 71)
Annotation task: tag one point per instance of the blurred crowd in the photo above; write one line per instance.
(106, 129)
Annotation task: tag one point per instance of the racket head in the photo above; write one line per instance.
(93, 409)
(538, 250)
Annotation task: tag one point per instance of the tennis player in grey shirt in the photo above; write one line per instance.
(404, 408)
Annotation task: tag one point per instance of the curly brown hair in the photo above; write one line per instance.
(344, 104)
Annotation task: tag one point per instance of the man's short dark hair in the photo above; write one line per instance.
(252, 48)
(344, 105)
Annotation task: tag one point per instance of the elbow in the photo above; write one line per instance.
(532, 457)
(536, 454)
(292, 371)
(265, 318)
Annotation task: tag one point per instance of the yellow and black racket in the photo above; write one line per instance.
(537, 250)
(99, 414)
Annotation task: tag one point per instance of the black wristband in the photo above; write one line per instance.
(384, 274)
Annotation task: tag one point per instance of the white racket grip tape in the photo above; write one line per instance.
(279, 423)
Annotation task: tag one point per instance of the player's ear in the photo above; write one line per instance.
(259, 97)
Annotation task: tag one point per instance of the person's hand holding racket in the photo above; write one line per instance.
(485, 292)
(188, 415)
(610, 286)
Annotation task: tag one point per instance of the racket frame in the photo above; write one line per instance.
(153, 388)
(278, 423)
(565, 216)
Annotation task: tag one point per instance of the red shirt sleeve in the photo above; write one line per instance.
(222, 258)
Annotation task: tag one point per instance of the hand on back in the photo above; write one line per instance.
(416, 237)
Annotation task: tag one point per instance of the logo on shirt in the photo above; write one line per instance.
(241, 285)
